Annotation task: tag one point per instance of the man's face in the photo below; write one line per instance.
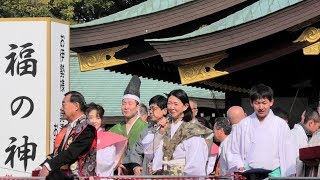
(156, 112)
(68, 108)
(217, 134)
(194, 109)
(129, 108)
(261, 107)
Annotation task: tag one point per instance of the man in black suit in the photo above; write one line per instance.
(78, 143)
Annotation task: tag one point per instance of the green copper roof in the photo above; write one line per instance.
(147, 7)
(106, 88)
(254, 11)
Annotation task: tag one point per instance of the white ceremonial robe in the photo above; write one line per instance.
(301, 139)
(194, 151)
(232, 167)
(211, 161)
(151, 143)
(268, 145)
(225, 155)
(106, 158)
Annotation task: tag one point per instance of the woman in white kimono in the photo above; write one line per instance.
(183, 150)
(110, 146)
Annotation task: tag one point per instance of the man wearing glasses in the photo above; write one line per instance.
(141, 155)
(194, 108)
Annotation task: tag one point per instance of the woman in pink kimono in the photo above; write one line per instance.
(110, 146)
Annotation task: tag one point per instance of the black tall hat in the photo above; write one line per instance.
(133, 89)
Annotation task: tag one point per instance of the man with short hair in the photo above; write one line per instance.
(221, 130)
(143, 111)
(302, 133)
(142, 154)
(78, 144)
(263, 140)
(194, 108)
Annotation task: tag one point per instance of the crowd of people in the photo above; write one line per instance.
(168, 139)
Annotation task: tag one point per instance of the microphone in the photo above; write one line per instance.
(156, 128)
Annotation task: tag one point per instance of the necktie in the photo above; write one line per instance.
(216, 167)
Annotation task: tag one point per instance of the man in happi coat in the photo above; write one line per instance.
(75, 153)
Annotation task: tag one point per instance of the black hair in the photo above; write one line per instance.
(183, 97)
(94, 106)
(261, 91)
(159, 100)
(311, 114)
(77, 97)
(223, 123)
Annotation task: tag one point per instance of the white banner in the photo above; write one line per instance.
(25, 63)
(59, 75)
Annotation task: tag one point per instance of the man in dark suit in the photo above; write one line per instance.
(78, 143)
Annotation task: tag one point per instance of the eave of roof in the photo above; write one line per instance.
(238, 35)
(110, 32)
(256, 10)
(144, 8)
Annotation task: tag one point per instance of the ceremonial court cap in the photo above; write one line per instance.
(133, 89)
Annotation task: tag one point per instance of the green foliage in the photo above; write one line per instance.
(74, 11)
(94, 9)
(24, 8)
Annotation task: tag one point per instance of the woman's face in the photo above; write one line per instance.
(94, 118)
(176, 107)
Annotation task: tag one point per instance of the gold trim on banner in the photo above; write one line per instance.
(100, 58)
(200, 71)
(312, 35)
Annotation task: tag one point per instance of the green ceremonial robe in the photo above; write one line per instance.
(133, 134)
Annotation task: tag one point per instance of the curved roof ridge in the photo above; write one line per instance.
(147, 7)
(256, 10)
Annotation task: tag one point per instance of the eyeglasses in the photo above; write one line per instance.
(153, 108)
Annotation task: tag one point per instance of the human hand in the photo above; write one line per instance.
(122, 170)
(44, 171)
(137, 171)
(163, 125)
(242, 169)
(150, 168)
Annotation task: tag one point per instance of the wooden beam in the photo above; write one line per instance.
(238, 35)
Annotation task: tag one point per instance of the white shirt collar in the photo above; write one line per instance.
(73, 124)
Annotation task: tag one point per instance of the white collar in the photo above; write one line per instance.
(73, 124)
